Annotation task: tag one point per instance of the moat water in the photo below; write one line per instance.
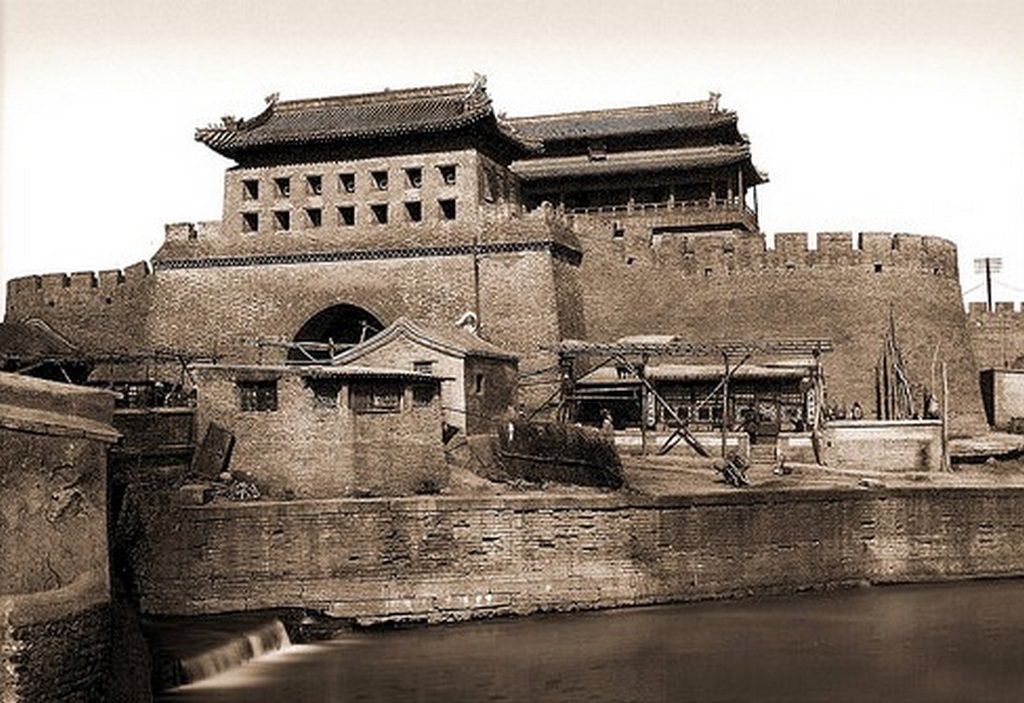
(951, 642)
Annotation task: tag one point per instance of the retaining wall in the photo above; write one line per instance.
(54, 574)
(438, 559)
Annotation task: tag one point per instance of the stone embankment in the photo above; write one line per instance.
(448, 558)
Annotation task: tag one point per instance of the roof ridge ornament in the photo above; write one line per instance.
(468, 321)
(713, 99)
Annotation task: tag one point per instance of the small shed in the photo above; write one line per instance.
(479, 379)
(1002, 393)
(315, 431)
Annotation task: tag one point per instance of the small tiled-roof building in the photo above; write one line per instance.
(314, 431)
(479, 379)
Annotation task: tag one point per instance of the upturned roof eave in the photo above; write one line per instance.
(218, 139)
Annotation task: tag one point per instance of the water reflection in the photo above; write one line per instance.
(959, 642)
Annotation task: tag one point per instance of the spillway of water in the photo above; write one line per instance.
(271, 637)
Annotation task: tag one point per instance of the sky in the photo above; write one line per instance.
(901, 116)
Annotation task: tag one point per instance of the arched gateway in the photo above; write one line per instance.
(337, 327)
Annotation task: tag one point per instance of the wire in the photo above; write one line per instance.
(1007, 285)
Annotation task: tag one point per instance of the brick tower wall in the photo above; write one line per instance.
(997, 336)
(731, 286)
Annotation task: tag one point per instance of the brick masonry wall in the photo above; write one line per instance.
(313, 451)
(439, 559)
(61, 659)
(714, 286)
(54, 577)
(864, 445)
(703, 287)
(997, 336)
(497, 393)
(97, 312)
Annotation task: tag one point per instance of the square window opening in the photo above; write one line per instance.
(314, 185)
(314, 216)
(283, 220)
(257, 396)
(347, 182)
(423, 367)
(414, 211)
(422, 396)
(447, 209)
(283, 186)
(346, 215)
(618, 231)
(325, 392)
(250, 189)
(250, 222)
(414, 177)
(380, 213)
(376, 398)
(447, 174)
(380, 179)
(878, 268)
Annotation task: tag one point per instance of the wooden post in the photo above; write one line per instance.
(743, 195)
(818, 410)
(641, 372)
(946, 465)
(725, 404)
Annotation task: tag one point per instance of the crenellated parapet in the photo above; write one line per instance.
(712, 253)
(998, 334)
(52, 289)
(1001, 310)
(95, 311)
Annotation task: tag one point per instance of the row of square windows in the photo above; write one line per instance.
(261, 396)
(346, 215)
(346, 182)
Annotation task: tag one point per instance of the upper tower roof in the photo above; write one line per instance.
(363, 117)
(693, 116)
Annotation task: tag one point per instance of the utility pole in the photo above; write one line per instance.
(988, 265)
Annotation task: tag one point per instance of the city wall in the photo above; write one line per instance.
(452, 558)
(733, 286)
(534, 288)
(997, 335)
(98, 312)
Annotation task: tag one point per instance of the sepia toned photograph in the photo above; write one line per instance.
(522, 351)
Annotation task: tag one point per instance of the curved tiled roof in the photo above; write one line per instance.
(364, 116)
(636, 161)
(453, 340)
(591, 124)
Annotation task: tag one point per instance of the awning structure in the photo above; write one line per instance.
(630, 367)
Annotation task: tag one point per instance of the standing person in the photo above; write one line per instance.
(607, 424)
(856, 412)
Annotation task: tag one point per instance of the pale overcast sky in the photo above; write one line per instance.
(868, 116)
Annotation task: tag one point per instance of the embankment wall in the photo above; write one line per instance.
(54, 573)
(449, 558)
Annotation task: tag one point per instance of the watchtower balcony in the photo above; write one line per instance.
(686, 215)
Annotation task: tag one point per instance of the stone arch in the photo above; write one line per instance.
(342, 324)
